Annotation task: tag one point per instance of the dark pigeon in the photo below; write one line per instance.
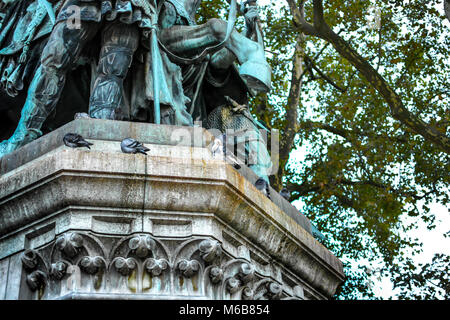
(132, 146)
(263, 186)
(74, 140)
(285, 194)
(231, 159)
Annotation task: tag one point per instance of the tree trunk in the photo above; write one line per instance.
(447, 8)
(321, 29)
(292, 122)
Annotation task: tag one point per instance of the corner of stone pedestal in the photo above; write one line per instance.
(101, 224)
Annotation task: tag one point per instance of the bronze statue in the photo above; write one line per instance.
(180, 71)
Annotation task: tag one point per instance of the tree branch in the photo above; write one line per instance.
(347, 134)
(299, 19)
(306, 188)
(318, 20)
(323, 75)
(447, 8)
(381, 186)
(302, 189)
(394, 101)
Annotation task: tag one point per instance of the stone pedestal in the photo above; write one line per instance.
(176, 224)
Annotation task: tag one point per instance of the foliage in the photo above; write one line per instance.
(429, 281)
(364, 171)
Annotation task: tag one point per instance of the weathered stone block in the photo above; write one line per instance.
(100, 224)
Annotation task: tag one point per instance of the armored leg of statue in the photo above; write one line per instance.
(249, 144)
(243, 137)
(63, 48)
(190, 40)
(259, 158)
(119, 42)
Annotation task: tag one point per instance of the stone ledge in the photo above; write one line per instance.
(209, 194)
(106, 141)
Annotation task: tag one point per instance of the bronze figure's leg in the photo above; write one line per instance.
(62, 50)
(190, 40)
(119, 42)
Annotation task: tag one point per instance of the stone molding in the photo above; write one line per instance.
(166, 197)
(90, 265)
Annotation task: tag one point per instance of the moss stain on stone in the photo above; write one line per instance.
(41, 292)
(147, 282)
(194, 283)
(132, 283)
(98, 280)
(181, 281)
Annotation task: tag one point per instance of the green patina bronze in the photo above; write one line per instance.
(141, 60)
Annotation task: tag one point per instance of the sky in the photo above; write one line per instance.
(433, 241)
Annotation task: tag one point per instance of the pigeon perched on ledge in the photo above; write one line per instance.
(74, 140)
(132, 146)
(219, 151)
(263, 186)
(285, 194)
(81, 115)
(233, 160)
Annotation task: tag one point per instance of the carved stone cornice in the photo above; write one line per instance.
(137, 200)
(195, 272)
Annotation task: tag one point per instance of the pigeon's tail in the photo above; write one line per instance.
(232, 159)
(142, 150)
(86, 144)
